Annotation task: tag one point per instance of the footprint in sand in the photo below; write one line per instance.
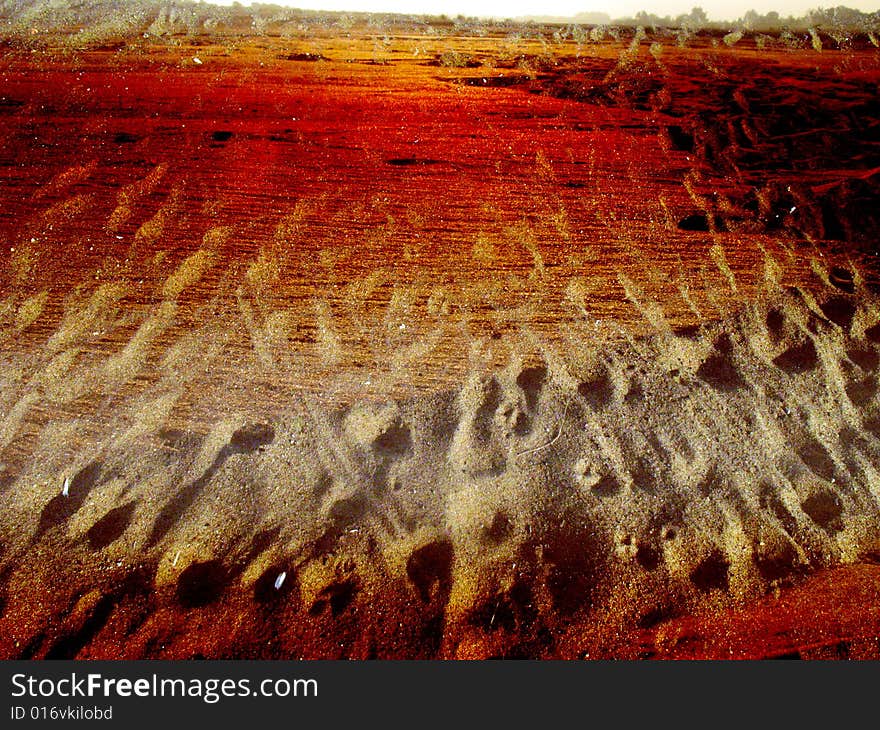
(599, 390)
(798, 359)
(335, 598)
(494, 415)
(429, 568)
(248, 439)
(111, 526)
(64, 505)
(719, 369)
(202, 583)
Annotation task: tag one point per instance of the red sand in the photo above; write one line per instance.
(365, 193)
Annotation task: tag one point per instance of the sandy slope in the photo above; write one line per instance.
(548, 505)
(607, 389)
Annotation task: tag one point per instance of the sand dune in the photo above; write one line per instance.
(544, 507)
(571, 351)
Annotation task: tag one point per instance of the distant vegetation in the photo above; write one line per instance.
(839, 18)
(90, 23)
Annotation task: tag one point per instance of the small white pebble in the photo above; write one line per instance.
(176, 558)
(279, 581)
(65, 488)
(197, 60)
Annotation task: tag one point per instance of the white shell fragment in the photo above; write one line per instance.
(65, 488)
(279, 581)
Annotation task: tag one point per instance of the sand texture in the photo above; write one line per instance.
(571, 352)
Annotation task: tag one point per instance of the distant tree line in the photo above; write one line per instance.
(838, 18)
(92, 22)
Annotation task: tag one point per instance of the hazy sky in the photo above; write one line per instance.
(717, 9)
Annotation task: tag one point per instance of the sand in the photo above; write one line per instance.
(215, 443)
(544, 507)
